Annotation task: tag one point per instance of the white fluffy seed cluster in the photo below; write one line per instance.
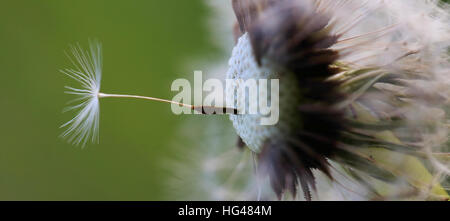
(243, 66)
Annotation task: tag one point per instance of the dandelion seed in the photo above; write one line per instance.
(87, 72)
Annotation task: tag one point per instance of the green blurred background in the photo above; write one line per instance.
(147, 44)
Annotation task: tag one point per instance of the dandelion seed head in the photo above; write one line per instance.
(408, 41)
(86, 71)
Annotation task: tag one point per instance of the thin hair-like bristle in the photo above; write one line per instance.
(87, 71)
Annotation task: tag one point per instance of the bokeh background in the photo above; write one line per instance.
(146, 45)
